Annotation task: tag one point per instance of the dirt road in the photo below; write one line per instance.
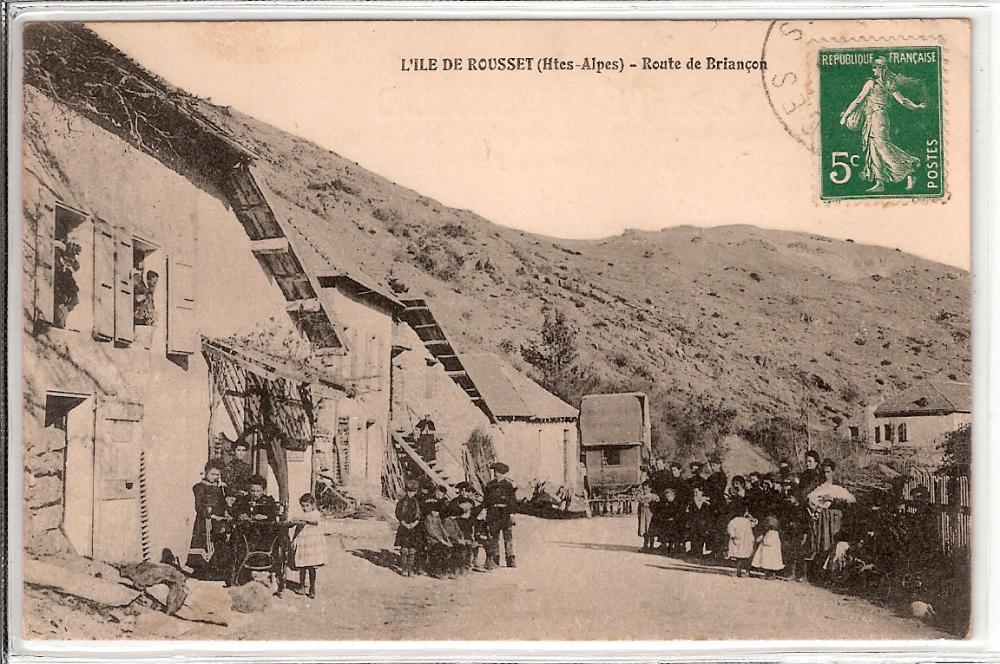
(575, 579)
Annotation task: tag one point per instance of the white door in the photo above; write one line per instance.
(117, 443)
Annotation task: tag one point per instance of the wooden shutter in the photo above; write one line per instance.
(45, 259)
(104, 280)
(118, 526)
(181, 336)
(124, 298)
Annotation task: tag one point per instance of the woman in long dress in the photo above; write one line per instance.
(208, 554)
(884, 160)
(824, 504)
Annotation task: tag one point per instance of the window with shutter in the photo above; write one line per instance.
(104, 280)
(181, 332)
(124, 326)
(45, 233)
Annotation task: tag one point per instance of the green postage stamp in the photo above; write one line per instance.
(880, 123)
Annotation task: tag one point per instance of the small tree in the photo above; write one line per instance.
(556, 351)
(956, 447)
(700, 425)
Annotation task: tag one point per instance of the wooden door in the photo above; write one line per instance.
(118, 524)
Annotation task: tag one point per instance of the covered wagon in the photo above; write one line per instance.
(615, 438)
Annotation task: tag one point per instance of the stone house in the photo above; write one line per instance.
(147, 231)
(913, 422)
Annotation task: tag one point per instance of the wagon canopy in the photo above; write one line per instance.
(613, 419)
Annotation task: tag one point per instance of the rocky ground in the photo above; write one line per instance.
(581, 579)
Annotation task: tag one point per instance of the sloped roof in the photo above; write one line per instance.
(929, 398)
(611, 419)
(509, 394)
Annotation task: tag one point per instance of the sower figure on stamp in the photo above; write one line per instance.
(884, 160)
(499, 498)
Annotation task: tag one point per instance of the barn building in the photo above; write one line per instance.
(539, 439)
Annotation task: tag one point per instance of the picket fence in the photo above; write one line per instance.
(951, 498)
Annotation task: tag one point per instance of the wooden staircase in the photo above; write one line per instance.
(405, 444)
(420, 317)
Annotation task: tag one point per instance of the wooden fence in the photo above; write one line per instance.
(951, 498)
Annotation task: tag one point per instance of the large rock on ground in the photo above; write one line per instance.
(61, 579)
(205, 602)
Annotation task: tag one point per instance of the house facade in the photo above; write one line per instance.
(147, 229)
(915, 421)
(539, 440)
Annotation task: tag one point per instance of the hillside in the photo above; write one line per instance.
(770, 322)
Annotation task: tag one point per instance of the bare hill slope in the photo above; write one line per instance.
(771, 322)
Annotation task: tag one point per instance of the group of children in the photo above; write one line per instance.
(438, 535)
(216, 550)
(770, 522)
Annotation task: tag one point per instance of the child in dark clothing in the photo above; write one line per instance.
(455, 560)
(408, 533)
(700, 519)
(439, 544)
(467, 525)
(671, 522)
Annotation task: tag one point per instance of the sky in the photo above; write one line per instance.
(570, 154)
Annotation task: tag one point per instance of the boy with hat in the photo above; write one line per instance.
(499, 498)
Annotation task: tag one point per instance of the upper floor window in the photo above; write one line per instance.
(145, 283)
(878, 434)
(888, 433)
(92, 275)
(902, 433)
(66, 300)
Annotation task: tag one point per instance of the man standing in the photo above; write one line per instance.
(499, 498)
(716, 485)
(716, 480)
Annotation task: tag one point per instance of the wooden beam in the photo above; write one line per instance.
(436, 342)
(425, 325)
(271, 245)
(307, 304)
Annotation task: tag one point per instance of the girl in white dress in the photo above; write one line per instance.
(309, 545)
(768, 553)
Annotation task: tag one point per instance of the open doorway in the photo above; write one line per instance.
(70, 417)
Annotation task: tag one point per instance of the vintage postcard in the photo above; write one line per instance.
(495, 330)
